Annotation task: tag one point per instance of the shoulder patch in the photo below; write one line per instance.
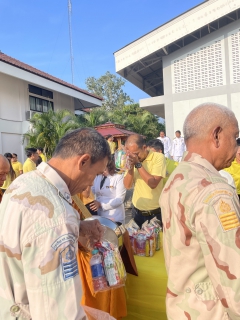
(69, 262)
(227, 213)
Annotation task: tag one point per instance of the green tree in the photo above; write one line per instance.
(110, 87)
(46, 129)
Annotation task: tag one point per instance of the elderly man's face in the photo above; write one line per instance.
(228, 147)
(162, 134)
(87, 175)
(4, 170)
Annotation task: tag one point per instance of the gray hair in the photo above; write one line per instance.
(204, 117)
(83, 141)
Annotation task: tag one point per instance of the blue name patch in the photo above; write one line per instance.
(69, 262)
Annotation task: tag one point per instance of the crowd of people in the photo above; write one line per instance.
(194, 194)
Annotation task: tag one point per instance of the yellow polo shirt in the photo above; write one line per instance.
(29, 165)
(145, 198)
(171, 165)
(234, 171)
(44, 158)
(7, 182)
(17, 167)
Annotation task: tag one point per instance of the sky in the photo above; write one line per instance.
(36, 32)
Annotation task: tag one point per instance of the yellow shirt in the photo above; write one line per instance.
(17, 167)
(44, 158)
(171, 165)
(7, 182)
(112, 146)
(234, 170)
(29, 165)
(145, 198)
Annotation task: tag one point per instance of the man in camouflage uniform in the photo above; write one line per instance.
(200, 213)
(39, 232)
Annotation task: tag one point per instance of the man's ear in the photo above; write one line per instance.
(216, 136)
(83, 160)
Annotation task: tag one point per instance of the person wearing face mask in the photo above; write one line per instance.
(234, 169)
(110, 194)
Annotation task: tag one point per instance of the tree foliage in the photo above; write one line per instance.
(110, 87)
(132, 116)
(46, 129)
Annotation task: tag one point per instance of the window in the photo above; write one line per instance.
(40, 105)
(40, 92)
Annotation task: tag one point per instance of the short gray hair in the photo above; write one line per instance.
(83, 141)
(204, 117)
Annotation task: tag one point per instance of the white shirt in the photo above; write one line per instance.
(166, 143)
(111, 197)
(229, 178)
(178, 147)
(39, 265)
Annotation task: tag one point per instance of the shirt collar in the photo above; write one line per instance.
(149, 156)
(197, 158)
(54, 178)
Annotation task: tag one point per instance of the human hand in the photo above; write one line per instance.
(133, 159)
(92, 229)
(95, 205)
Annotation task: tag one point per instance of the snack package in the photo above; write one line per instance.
(112, 273)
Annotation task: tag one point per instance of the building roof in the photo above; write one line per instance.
(140, 62)
(116, 130)
(21, 65)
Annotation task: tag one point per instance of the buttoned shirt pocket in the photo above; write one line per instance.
(205, 291)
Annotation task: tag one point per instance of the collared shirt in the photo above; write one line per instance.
(29, 165)
(171, 166)
(39, 230)
(166, 143)
(17, 167)
(111, 196)
(44, 158)
(200, 214)
(178, 147)
(145, 198)
(234, 170)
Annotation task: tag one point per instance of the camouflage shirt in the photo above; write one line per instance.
(39, 230)
(200, 214)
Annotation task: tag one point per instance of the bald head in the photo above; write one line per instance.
(204, 118)
(211, 131)
(4, 169)
(135, 139)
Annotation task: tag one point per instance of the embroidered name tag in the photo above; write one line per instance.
(64, 238)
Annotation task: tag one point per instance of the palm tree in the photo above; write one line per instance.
(48, 128)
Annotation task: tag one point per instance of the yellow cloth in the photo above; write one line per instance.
(29, 165)
(145, 198)
(112, 146)
(7, 182)
(234, 170)
(146, 293)
(112, 301)
(44, 158)
(171, 165)
(89, 199)
(17, 167)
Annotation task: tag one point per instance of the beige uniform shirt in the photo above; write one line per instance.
(200, 214)
(39, 230)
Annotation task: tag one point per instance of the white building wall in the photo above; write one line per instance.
(14, 102)
(179, 100)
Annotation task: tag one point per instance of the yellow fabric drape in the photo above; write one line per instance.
(146, 293)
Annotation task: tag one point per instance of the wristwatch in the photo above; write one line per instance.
(138, 165)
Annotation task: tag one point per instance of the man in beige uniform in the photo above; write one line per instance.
(200, 213)
(39, 232)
